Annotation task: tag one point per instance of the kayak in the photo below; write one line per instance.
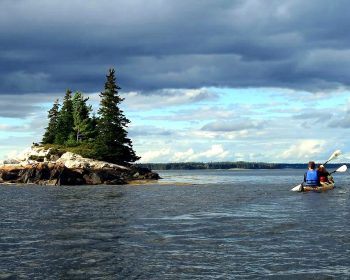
(325, 186)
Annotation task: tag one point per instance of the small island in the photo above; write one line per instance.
(79, 149)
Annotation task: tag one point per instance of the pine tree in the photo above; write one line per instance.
(81, 116)
(112, 143)
(65, 122)
(50, 131)
(90, 133)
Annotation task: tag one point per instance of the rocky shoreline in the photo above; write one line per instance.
(69, 169)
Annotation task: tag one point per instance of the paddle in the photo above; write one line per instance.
(342, 168)
(297, 188)
(335, 154)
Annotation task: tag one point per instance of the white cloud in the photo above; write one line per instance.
(184, 156)
(155, 156)
(256, 157)
(227, 126)
(304, 150)
(166, 98)
(215, 152)
(204, 134)
(198, 113)
(6, 127)
(345, 157)
(231, 135)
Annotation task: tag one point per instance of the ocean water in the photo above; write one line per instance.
(204, 224)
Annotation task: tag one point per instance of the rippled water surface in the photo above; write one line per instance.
(216, 224)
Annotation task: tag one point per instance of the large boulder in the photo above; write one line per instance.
(72, 160)
(33, 153)
(72, 169)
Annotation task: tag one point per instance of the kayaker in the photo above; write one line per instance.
(323, 173)
(325, 176)
(312, 177)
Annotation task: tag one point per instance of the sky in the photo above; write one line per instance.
(203, 80)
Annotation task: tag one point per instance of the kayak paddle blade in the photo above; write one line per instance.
(296, 188)
(342, 168)
(336, 154)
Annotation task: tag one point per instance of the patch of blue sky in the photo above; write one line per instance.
(275, 102)
(243, 96)
(159, 113)
(13, 134)
(13, 129)
(252, 102)
(49, 104)
(335, 101)
(161, 123)
(12, 121)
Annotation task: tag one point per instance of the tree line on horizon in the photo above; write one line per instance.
(72, 126)
(229, 165)
(210, 165)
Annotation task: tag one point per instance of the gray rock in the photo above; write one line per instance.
(72, 169)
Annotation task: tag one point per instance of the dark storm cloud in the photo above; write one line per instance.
(48, 46)
(12, 106)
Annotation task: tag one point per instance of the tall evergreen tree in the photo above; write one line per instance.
(65, 122)
(81, 116)
(51, 129)
(112, 143)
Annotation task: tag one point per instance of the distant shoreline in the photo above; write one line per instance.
(240, 165)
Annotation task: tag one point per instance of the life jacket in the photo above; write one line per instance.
(312, 178)
(323, 178)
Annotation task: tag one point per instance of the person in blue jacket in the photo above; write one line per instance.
(312, 176)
